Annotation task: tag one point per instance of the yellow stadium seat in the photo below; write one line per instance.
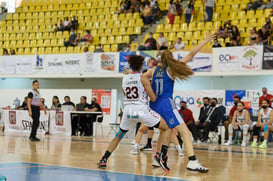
(167, 28)
(34, 50)
(47, 43)
(243, 23)
(33, 43)
(91, 48)
(234, 15)
(250, 14)
(130, 31)
(126, 39)
(106, 48)
(216, 17)
(111, 40)
(180, 35)
(188, 35)
(267, 12)
(63, 50)
(159, 28)
(192, 26)
(114, 47)
(55, 50)
(138, 30)
(172, 36)
(60, 42)
(27, 51)
(134, 46)
(70, 50)
(119, 39)
(184, 27)
(103, 40)
(201, 25)
(177, 20)
(176, 27)
(20, 51)
(196, 35)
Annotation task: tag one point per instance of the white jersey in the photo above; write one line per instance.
(242, 118)
(265, 117)
(135, 92)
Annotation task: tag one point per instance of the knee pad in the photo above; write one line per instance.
(123, 132)
(230, 128)
(245, 128)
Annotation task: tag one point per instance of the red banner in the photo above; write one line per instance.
(103, 99)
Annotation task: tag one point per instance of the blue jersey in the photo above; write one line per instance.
(162, 83)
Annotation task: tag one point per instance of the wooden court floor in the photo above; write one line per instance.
(225, 163)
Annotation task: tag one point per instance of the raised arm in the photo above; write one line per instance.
(149, 73)
(190, 56)
(147, 85)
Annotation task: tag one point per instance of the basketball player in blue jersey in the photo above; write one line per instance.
(163, 78)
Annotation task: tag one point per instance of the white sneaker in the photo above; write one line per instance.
(194, 165)
(179, 150)
(198, 142)
(134, 151)
(243, 144)
(133, 142)
(228, 143)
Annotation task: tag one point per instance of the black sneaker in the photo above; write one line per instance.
(34, 139)
(156, 160)
(163, 163)
(102, 163)
(147, 148)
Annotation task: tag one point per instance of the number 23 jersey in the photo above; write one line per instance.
(133, 89)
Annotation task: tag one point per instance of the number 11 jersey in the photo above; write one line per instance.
(133, 89)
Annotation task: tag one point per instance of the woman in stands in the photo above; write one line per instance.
(265, 118)
(171, 12)
(240, 121)
(163, 77)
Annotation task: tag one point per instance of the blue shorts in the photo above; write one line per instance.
(166, 108)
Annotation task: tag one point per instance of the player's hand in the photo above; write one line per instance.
(30, 113)
(126, 71)
(86, 109)
(211, 36)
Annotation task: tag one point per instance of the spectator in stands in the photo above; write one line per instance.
(268, 25)
(135, 6)
(265, 35)
(189, 120)
(214, 116)
(216, 44)
(67, 101)
(74, 23)
(147, 14)
(128, 48)
(5, 51)
(221, 31)
(43, 103)
(210, 4)
(249, 6)
(171, 12)
(98, 49)
(127, 6)
(12, 52)
(265, 96)
(24, 105)
(67, 24)
(78, 39)
(121, 9)
(257, 4)
(56, 103)
(234, 37)
(253, 36)
(87, 37)
(150, 44)
(178, 7)
(188, 11)
(267, 5)
(155, 12)
(60, 26)
(85, 50)
(178, 45)
(236, 99)
(162, 43)
(72, 38)
(152, 3)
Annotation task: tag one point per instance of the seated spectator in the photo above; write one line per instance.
(234, 37)
(67, 24)
(189, 11)
(179, 45)
(162, 43)
(147, 14)
(265, 35)
(60, 26)
(249, 6)
(259, 41)
(189, 120)
(268, 25)
(24, 105)
(56, 103)
(221, 31)
(257, 4)
(150, 44)
(178, 7)
(12, 52)
(216, 44)
(87, 37)
(67, 101)
(134, 6)
(74, 23)
(121, 9)
(253, 36)
(128, 48)
(85, 50)
(155, 12)
(268, 5)
(78, 39)
(71, 41)
(43, 103)
(214, 116)
(127, 6)
(5, 51)
(98, 49)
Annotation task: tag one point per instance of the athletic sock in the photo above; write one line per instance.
(244, 139)
(180, 140)
(230, 138)
(265, 141)
(255, 140)
(164, 150)
(106, 155)
(192, 158)
(149, 142)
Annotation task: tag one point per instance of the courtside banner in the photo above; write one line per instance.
(71, 63)
(24, 64)
(245, 58)
(39, 65)
(107, 62)
(20, 122)
(7, 65)
(201, 61)
(123, 60)
(268, 57)
(60, 123)
(54, 64)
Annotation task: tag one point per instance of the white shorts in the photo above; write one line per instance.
(138, 113)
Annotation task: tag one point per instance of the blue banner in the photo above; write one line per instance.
(148, 55)
(230, 95)
(123, 56)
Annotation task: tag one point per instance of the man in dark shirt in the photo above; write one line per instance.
(68, 102)
(150, 44)
(216, 44)
(71, 40)
(189, 120)
(265, 35)
(24, 105)
(74, 22)
(155, 12)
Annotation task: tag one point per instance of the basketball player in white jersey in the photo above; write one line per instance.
(136, 89)
(240, 121)
(265, 117)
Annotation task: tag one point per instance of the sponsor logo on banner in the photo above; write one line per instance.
(12, 117)
(230, 94)
(123, 60)
(72, 62)
(268, 57)
(227, 58)
(39, 63)
(55, 63)
(107, 62)
(59, 119)
(250, 60)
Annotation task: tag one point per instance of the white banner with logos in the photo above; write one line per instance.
(71, 63)
(54, 64)
(194, 99)
(107, 62)
(89, 64)
(24, 64)
(245, 58)
(60, 123)
(39, 65)
(20, 122)
(7, 65)
(201, 61)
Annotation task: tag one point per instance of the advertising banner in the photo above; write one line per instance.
(107, 62)
(123, 58)
(268, 57)
(89, 65)
(24, 64)
(60, 123)
(39, 65)
(71, 63)
(54, 64)
(230, 94)
(7, 65)
(103, 98)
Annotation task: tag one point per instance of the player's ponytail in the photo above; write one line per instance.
(178, 69)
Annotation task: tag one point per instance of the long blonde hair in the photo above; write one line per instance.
(178, 69)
